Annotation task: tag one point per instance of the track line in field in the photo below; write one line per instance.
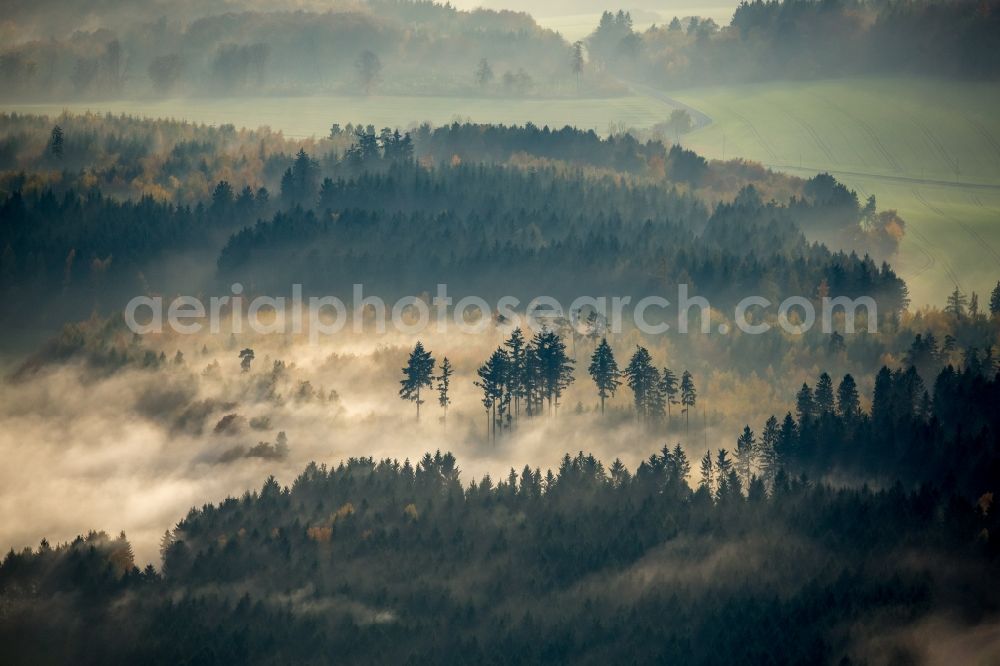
(936, 145)
(846, 139)
(811, 131)
(972, 232)
(919, 243)
(928, 258)
(985, 133)
(760, 139)
(876, 141)
(919, 234)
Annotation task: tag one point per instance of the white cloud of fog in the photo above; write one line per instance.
(136, 449)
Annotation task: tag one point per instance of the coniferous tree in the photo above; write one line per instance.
(723, 465)
(727, 481)
(56, 142)
(882, 402)
(707, 473)
(555, 367)
(689, 397)
(745, 452)
(532, 380)
(576, 61)
(805, 405)
(246, 358)
(484, 73)
(369, 68)
(824, 399)
(416, 375)
(770, 461)
(493, 377)
(443, 385)
(957, 303)
(848, 402)
(995, 300)
(604, 371)
(668, 386)
(788, 438)
(682, 466)
(517, 351)
(656, 406)
(642, 378)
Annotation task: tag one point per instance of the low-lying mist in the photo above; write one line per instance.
(134, 448)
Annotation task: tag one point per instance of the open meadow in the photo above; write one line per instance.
(929, 149)
(932, 155)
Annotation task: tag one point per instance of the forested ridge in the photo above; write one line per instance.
(227, 49)
(459, 202)
(541, 482)
(378, 560)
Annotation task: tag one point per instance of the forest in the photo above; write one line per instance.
(400, 47)
(773, 448)
(471, 204)
(375, 560)
(804, 40)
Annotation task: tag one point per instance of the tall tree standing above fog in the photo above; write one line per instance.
(745, 454)
(668, 386)
(770, 462)
(484, 73)
(848, 402)
(518, 381)
(443, 384)
(493, 377)
(689, 397)
(246, 358)
(642, 379)
(824, 395)
(805, 405)
(957, 302)
(707, 473)
(995, 300)
(555, 366)
(604, 371)
(416, 375)
(369, 70)
(576, 62)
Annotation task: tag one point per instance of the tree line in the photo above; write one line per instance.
(529, 376)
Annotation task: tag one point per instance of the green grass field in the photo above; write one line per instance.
(929, 149)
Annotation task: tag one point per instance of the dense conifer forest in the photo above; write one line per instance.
(771, 453)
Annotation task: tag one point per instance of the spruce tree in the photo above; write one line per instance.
(640, 378)
(555, 367)
(824, 395)
(689, 397)
(745, 444)
(56, 142)
(604, 371)
(707, 473)
(416, 375)
(493, 381)
(668, 385)
(443, 384)
(770, 461)
(517, 351)
(957, 302)
(805, 405)
(848, 402)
